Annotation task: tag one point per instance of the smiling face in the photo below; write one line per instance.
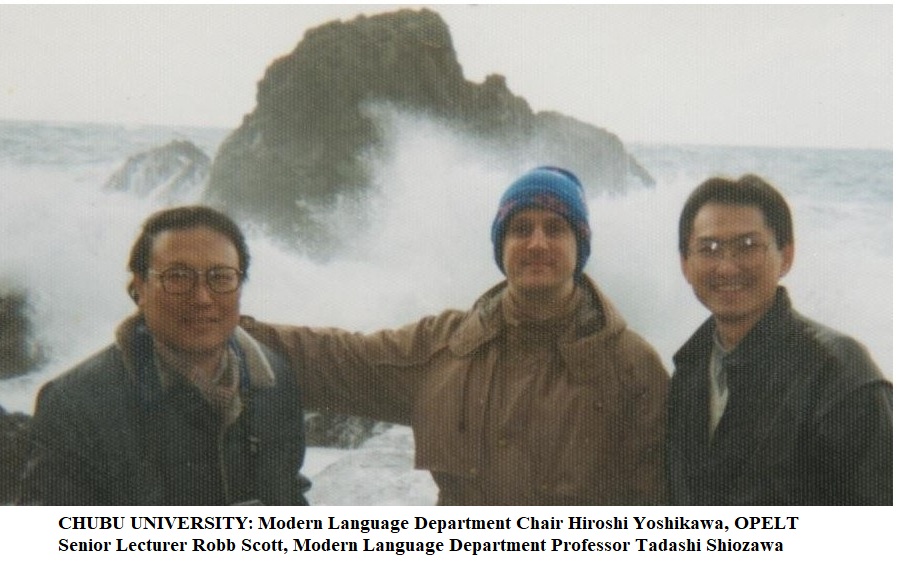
(540, 254)
(199, 323)
(737, 290)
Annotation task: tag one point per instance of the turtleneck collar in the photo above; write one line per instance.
(516, 314)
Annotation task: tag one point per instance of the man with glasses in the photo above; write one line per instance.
(185, 408)
(766, 406)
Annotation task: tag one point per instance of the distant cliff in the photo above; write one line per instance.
(300, 149)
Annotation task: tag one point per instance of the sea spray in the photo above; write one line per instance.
(421, 242)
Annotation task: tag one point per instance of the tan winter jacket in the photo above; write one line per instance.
(591, 434)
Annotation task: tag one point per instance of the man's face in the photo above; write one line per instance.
(540, 253)
(737, 285)
(199, 322)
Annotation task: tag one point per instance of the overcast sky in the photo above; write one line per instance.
(779, 75)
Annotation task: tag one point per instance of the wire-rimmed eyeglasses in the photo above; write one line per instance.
(745, 250)
(182, 280)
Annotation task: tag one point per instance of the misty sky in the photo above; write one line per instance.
(804, 75)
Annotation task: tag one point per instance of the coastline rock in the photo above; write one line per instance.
(172, 172)
(19, 353)
(324, 428)
(13, 452)
(301, 150)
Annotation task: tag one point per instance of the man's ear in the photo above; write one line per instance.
(788, 256)
(684, 262)
(133, 287)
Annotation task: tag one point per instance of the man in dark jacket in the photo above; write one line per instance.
(185, 408)
(766, 406)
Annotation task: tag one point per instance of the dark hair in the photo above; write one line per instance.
(749, 190)
(182, 218)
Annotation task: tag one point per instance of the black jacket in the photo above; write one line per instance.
(808, 422)
(105, 435)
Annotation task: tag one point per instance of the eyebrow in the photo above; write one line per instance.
(752, 234)
(182, 265)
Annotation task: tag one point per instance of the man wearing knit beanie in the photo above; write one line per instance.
(542, 239)
(547, 188)
(537, 395)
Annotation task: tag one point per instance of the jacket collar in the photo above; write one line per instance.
(136, 344)
(760, 341)
(596, 316)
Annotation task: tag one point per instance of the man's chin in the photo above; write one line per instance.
(201, 348)
(539, 288)
(533, 286)
(730, 314)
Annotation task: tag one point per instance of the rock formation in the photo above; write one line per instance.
(324, 428)
(301, 148)
(13, 452)
(171, 172)
(18, 351)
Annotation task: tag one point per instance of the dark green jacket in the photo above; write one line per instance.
(104, 434)
(808, 421)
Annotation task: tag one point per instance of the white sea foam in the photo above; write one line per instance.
(422, 244)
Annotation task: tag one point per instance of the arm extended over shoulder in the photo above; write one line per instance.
(374, 375)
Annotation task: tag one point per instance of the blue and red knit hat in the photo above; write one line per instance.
(549, 188)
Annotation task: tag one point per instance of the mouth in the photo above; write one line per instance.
(724, 286)
(537, 269)
(537, 263)
(200, 321)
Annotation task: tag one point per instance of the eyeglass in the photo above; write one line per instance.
(182, 280)
(744, 250)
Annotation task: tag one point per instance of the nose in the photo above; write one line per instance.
(727, 263)
(202, 294)
(538, 238)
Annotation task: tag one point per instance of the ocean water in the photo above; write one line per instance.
(421, 243)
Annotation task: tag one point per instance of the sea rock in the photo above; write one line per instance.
(328, 429)
(302, 149)
(13, 452)
(173, 172)
(19, 353)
